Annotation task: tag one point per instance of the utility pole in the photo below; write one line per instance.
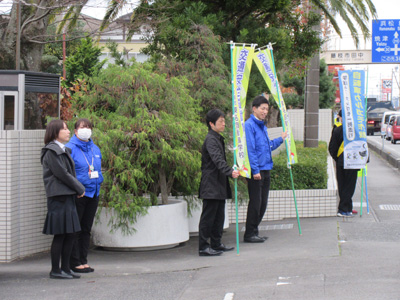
(64, 54)
(18, 41)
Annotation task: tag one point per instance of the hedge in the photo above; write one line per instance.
(309, 173)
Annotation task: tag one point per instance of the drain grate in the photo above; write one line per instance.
(389, 207)
(273, 227)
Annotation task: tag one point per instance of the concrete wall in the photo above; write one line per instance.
(22, 197)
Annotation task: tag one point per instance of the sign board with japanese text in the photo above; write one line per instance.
(343, 57)
(386, 85)
(352, 94)
(385, 41)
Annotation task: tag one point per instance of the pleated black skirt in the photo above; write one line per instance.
(62, 216)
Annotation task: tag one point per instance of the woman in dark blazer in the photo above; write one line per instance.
(62, 188)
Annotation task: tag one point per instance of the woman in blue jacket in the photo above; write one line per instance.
(259, 148)
(87, 158)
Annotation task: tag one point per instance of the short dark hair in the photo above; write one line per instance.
(85, 122)
(259, 100)
(52, 130)
(212, 116)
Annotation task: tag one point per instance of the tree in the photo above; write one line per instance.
(251, 21)
(327, 89)
(84, 62)
(35, 17)
(147, 125)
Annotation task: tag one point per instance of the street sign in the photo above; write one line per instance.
(342, 57)
(385, 41)
(386, 85)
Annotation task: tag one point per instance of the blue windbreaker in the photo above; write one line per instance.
(80, 150)
(259, 146)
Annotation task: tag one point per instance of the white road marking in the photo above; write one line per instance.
(229, 296)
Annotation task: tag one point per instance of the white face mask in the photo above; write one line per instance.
(84, 134)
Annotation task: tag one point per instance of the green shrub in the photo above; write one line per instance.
(309, 173)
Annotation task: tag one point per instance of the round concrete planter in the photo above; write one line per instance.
(194, 219)
(165, 226)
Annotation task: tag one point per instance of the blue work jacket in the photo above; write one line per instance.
(79, 151)
(259, 146)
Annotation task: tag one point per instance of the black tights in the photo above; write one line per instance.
(61, 248)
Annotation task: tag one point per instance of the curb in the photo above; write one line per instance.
(392, 158)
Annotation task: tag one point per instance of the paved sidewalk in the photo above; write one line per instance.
(334, 258)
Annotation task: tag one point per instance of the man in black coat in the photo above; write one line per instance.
(346, 178)
(214, 186)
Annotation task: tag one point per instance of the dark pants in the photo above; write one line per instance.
(61, 248)
(347, 180)
(258, 201)
(211, 223)
(86, 208)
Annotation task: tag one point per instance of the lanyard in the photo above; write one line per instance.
(91, 167)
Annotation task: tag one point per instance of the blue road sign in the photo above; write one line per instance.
(386, 41)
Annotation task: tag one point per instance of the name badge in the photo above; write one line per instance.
(94, 174)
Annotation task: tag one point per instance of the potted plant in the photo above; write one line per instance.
(149, 131)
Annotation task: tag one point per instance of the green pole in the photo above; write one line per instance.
(234, 149)
(286, 143)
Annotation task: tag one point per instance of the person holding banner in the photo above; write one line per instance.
(259, 148)
(346, 178)
(214, 186)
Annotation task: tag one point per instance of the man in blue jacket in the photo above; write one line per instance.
(259, 148)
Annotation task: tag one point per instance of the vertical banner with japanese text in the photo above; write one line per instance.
(242, 61)
(264, 62)
(352, 94)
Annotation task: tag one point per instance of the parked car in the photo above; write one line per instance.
(385, 120)
(395, 130)
(389, 127)
(374, 118)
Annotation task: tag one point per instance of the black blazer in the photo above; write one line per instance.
(59, 172)
(214, 169)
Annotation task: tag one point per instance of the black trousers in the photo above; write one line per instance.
(347, 180)
(61, 248)
(86, 208)
(211, 223)
(258, 201)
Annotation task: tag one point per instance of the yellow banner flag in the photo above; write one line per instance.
(242, 59)
(265, 63)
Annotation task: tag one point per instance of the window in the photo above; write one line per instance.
(9, 112)
(38, 107)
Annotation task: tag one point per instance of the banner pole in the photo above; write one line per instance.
(366, 192)
(286, 145)
(364, 175)
(234, 149)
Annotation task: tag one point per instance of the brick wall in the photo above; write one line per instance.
(22, 197)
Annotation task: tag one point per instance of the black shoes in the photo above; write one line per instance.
(84, 270)
(254, 239)
(263, 237)
(223, 248)
(61, 275)
(209, 252)
(73, 274)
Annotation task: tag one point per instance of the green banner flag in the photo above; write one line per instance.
(242, 59)
(265, 63)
